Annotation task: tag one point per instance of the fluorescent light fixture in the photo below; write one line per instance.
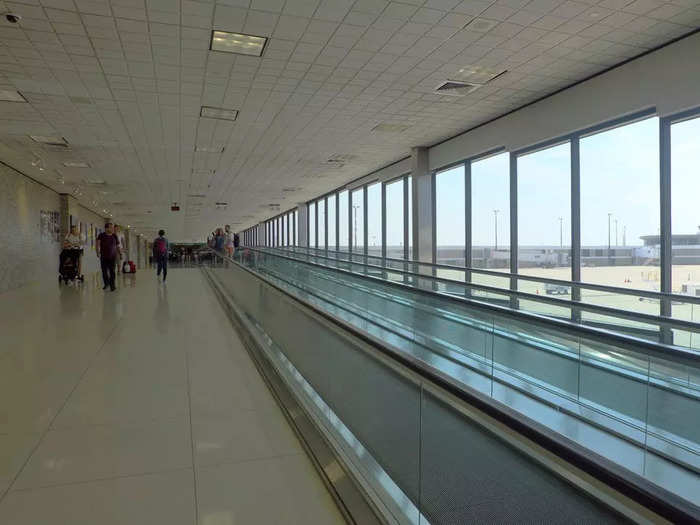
(11, 96)
(209, 149)
(237, 43)
(70, 164)
(218, 113)
(481, 25)
(51, 141)
(476, 74)
(391, 127)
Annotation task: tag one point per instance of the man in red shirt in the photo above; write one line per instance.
(108, 251)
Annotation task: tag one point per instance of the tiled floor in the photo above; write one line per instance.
(141, 407)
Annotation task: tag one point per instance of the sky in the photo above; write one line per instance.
(619, 176)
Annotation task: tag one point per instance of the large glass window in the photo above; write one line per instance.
(544, 213)
(332, 241)
(374, 219)
(312, 225)
(620, 206)
(343, 221)
(358, 220)
(491, 212)
(449, 216)
(685, 223)
(394, 219)
(321, 206)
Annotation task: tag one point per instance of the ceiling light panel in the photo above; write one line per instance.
(52, 141)
(11, 96)
(237, 43)
(218, 113)
(390, 127)
(209, 149)
(71, 164)
(477, 74)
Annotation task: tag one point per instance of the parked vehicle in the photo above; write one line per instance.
(556, 289)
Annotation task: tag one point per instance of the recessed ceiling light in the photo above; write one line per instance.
(218, 113)
(481, 25)
(209, 149)
(11, 96)
(237, 43)
(70, 164)
(391, 127)
(52, 141)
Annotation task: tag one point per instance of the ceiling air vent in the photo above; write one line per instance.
(456, 88)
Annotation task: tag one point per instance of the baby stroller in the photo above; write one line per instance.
(68, 267)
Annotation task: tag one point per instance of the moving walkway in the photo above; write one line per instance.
(441, 404)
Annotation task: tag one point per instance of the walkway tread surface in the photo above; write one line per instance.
(141, 407)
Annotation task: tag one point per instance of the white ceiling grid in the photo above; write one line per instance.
(123, 81)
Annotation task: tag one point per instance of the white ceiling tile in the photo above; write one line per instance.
(304, 8)
(274, 6)
(640, 7)
(334, 10)
(93, 7)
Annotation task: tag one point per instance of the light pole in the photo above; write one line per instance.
(616, 233)
(355, 207)
(624, 236)
(561, 232)
(495, 229)
(609, 217)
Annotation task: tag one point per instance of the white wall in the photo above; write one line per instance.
(667, 79)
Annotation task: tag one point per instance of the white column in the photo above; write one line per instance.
(261, 234)
(423, 202)
(303, 224)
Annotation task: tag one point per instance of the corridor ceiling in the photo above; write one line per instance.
(342, 88)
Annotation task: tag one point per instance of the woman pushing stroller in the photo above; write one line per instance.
(72, 249)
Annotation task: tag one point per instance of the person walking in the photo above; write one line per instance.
(108, 250)
(228, 240)
(220, 240)
(160, 253)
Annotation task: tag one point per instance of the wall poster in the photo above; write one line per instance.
(50, 225)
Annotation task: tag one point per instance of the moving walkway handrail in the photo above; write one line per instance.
(651, 496)
(667, 322)
(468, 269)
(675, 353)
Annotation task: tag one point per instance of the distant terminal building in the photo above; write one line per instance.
(686, 250)
(685, 247)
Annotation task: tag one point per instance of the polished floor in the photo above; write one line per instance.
(141, 407)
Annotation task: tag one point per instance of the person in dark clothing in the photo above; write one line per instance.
(108, 251)
(220, 240)
(160, 253)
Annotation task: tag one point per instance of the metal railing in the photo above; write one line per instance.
(667, 330)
